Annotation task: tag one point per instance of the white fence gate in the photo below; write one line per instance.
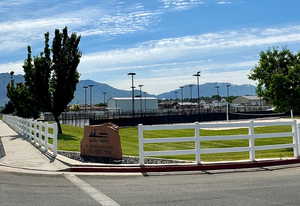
(198, 138)
(40, 134)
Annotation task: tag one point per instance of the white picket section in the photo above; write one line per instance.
(197, 139)
(36, 132)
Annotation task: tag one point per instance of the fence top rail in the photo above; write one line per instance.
(217, 125)
(169, 127)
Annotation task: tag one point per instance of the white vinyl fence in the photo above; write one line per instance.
(198, 138)
(40, 134)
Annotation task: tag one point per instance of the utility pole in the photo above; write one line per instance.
(198, 88)
(218, 96)
(191, 92)
(227, 106)
(85, 88)
(181, 95)
(141, 103)
(104, 95)
(91, 96)
(132, 87)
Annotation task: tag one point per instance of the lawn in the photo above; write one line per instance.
(70, 141)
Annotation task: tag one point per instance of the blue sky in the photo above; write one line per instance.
(163, 41)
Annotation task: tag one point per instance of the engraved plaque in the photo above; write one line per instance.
(101, 141)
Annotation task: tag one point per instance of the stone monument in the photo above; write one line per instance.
(101, 142)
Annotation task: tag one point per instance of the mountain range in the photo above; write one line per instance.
(207, 89)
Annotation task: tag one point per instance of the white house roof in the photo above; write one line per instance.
(251, 97)
(130, 98)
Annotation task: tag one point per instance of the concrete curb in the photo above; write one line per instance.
(186, 167)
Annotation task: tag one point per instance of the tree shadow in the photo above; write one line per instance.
(66, 137)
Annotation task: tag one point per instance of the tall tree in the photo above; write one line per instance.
(278, 76)
(52, 76)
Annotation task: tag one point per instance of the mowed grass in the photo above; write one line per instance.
(70, 140)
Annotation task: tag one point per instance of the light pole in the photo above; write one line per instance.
(191, 92)
(181, 96)
(132, 87)
(104, 95)
(85, 88)
(141, 103)
(218, 95)
(91, 95)
(198, 88)
(227, 106)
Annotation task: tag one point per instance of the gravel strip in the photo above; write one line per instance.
(125, 160)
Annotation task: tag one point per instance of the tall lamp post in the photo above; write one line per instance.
(218, 95)
(132, 87)
(181, 95)
(85, 88)
(91, 95)
(104, 97)
(227, 105)
(198, 88)
(141, 103)
(191, 92)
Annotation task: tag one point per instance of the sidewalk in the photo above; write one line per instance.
(19, 153)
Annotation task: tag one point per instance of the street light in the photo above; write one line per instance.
(85, 88)
(181, 95)
(145, 106)
(191, 91)
(227, 106)
(132, 87)
(198, 88)
(104, 95)
(218, 95)
(176, 92)
(141, 103)
(91, 95)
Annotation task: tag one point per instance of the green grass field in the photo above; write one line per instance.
(70, 141)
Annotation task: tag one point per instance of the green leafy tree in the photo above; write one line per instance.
(278, 76)
(21, 101)
(52, 76)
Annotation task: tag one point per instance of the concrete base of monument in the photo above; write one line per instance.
(75, 166)
(74, 159)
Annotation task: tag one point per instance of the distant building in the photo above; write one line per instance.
(141, 104)
(249, 101)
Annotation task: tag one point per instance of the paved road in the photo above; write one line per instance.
(267, 187)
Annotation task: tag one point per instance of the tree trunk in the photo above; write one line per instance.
(58, 124)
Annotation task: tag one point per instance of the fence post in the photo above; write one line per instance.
(55, 136)
(197, 143)
(295, 139)
(46, 135)
(251, 141)
(141, 144)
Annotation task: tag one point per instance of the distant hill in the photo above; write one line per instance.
(97, 92)
(209, 89)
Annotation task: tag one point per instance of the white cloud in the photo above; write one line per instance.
(188, 48)
(12, 66)
(223, 2)
(180, 4)
(17, 34)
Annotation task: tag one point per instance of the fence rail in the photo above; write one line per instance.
(40, 134)
(198, 139)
